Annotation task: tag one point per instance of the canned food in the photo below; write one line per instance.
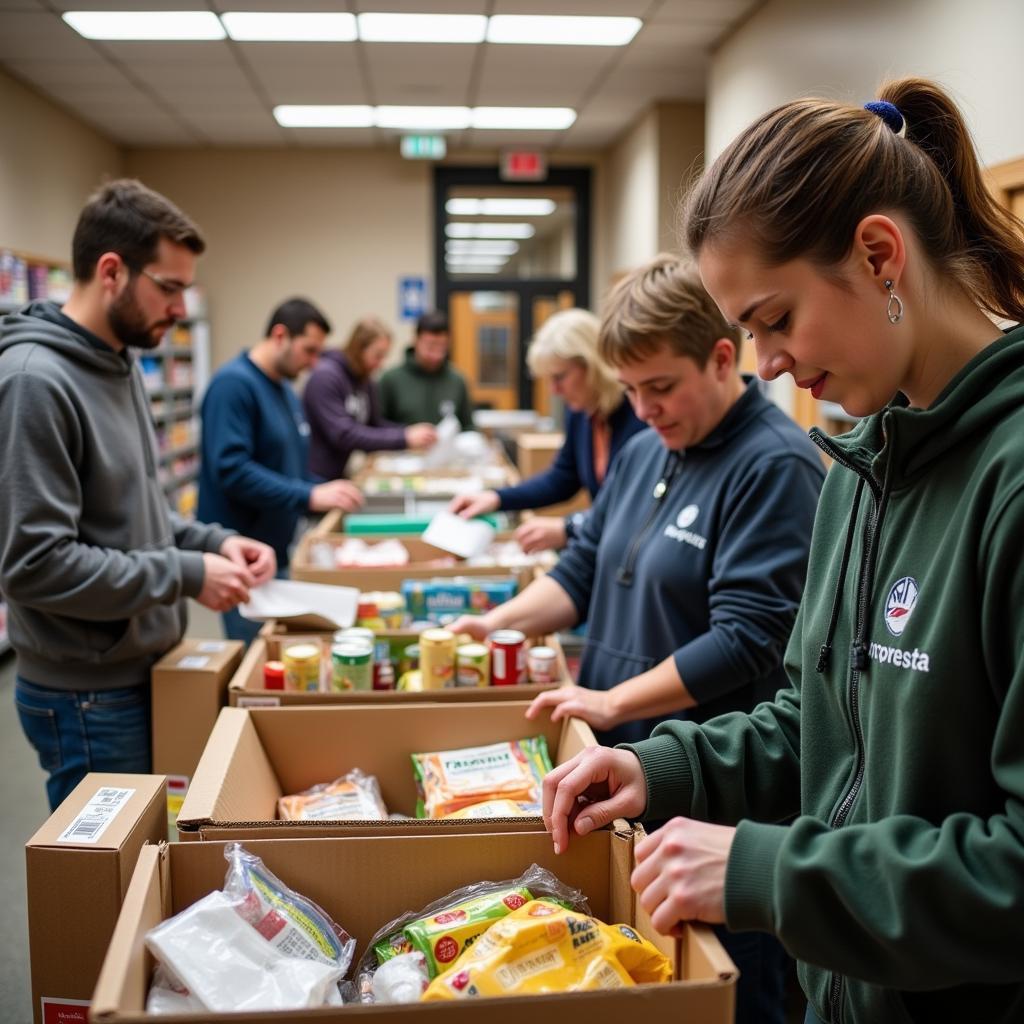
(410, 659)
(352, 666)
(508, 657)
(473, 665)
(273, 675)
(541, 665)
(301, 667)
(391, 608)
(354, 633)
(383, 675)
(437, 658)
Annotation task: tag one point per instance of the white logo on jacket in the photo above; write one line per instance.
(678, 530)
(899, 605)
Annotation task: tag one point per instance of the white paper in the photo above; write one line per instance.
(463, 537)
(318, 605)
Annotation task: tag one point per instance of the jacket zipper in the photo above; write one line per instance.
(624, 574)
(856, 664)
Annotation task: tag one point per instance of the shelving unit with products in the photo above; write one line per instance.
(175, 374)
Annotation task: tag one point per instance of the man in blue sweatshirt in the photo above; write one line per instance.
(254, 474)
(690, 567)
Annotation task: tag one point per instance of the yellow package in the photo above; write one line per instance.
(353, 797)
(498, 809)
(541, 948)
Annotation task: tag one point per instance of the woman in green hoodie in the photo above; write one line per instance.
(863, 254)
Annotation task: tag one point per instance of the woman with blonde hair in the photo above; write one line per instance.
(598, 422)
(861, 250)
(343, 407)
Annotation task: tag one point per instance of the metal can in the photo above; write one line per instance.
(542, 665)
(508, 657)
(409, 659)
(354, 633)
(473, 665)
(352, 665)
(273, 675)
(301, 667)
(437, 658)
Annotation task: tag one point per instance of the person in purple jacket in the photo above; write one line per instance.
(343, 408)
(598, 422)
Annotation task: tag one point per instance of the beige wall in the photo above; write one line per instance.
(49, 163)
(339, 227)
(844, 50)
(642, 180)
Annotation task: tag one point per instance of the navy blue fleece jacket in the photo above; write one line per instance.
(254, 473)
(712, 573)
(573, 467)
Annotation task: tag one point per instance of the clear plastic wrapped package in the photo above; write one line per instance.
(442, 930)
(255, 945)
(353, 797)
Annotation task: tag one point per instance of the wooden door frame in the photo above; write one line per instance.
(576, 178)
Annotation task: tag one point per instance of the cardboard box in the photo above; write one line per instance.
(190, 686)
(365, 883)
(246, 689)
(78, 866)
(256, 755)
(425, 562)
(534, 454)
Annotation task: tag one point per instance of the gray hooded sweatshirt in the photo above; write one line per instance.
(93, 564)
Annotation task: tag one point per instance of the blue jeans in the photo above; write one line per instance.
(762, 962)
(79, 731)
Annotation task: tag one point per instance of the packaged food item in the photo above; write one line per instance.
(498, 809)
(355, 633)
(256, 945)
(410, 681)
(409, 659)
(391, 607)
(449, 598)
(368, 614)
(351, 666)
(541, 665)
(301, 667)
(437, 658)
(383, 675)
(402, 979)
(508, 657)
(542, 947)
(273, 675)
(353, 797)
(472, 665)
(448, 780)
(444, 929)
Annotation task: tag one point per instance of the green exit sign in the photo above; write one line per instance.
(424, 147)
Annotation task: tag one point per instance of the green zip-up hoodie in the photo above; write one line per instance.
(899, 886)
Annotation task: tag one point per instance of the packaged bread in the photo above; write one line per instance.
(542, 947)
(449, 780)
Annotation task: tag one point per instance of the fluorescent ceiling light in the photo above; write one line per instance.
(422, 28)
(561, 30)
(523, 118)
(145, 25)
(423, 118)
(278, 27)
(500, 207)
(474, 246)
(464, 230)
(473, 270)
(474, 261)
(323, 116)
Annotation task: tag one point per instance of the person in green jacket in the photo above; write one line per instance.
(416, 391)
(864, 255)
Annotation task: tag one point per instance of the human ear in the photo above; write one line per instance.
(879, 249)
(723, 355)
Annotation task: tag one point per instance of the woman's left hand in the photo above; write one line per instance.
(541, 533)
(680, 873)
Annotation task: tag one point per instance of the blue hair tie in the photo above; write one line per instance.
(890, 114)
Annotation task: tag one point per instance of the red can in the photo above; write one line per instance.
(273, 675)
(508, 657)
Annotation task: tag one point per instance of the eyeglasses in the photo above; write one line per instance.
(172, 289)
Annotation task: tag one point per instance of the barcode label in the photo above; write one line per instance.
(193, 661)
(95, 818)
(258, 702)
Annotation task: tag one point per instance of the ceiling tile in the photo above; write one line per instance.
(24, 33)
(438, 75)
(92, 71)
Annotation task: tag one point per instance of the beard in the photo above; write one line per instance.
(128, 322)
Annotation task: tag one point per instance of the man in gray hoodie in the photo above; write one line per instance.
(94, 565)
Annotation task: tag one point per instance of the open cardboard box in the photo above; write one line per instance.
(364, 883)
(246, 688)
(425, 562)
(257, 755)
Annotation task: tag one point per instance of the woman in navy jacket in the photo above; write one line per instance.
(598, 422)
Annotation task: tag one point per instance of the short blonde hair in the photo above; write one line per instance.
(662, 304)
(571, 336)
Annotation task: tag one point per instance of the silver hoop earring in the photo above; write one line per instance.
(894, 310)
